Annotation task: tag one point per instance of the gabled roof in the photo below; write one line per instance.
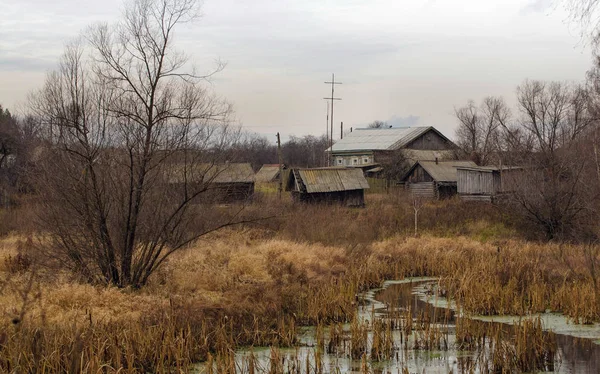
(267, 173)
(231, 173)
(330, 179)
(381, 139)
(213, 173)
(441, 171)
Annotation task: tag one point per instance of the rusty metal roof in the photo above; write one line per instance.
(333, 179)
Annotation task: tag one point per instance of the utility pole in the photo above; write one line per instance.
(326, 161)
(332, 98)
(280, 188)
(342, 130)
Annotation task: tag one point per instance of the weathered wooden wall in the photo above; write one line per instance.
(353, 159)
(431, 141)
(352, 198)
(478, 182)
(423, 189)
(419, 175)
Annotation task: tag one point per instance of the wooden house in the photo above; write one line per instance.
(434, 179)
(485, 183)
(344, 186)
(222, 183)
(371, 147)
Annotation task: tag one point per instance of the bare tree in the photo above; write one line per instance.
(256, 149)
(554, 113)
(377, 124)
(585, 12)
(306, 151)
(479, 128)
(554, 191)
(132, 141)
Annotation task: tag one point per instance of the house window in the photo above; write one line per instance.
(365, 160)
(339, 161)
(355, 161)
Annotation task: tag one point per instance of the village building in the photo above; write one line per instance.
(367, 147)
(344, 186)
(220, 183)
(434, 179)
(486, 183)
(268, 173)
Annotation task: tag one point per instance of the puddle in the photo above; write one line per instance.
(428, 347)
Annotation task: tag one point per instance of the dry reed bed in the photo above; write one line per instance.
(247, 287)
(229, 290)
(508, 277)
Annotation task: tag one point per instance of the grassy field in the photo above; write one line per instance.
(255, 284)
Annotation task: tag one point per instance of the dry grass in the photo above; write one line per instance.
(253, 285)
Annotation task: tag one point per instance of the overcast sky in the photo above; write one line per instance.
(409, 62)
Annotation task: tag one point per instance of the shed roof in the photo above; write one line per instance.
(441, 171)
(332, 179)
(267, 173)
(489, 169)
(380, 139)
(214, 173)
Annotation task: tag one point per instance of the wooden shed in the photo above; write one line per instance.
(434, 179)
(485, 183)
(220, 183)
(268, 173)
(344, 186)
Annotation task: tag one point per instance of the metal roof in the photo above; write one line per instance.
(444, 171)
(267, 173)
(331, 180)
(378, 139)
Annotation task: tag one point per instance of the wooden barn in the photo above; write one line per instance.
(221, 183)
(268, 173)
(372, 147)
(434, 179)
(485, 183)
(344, 186)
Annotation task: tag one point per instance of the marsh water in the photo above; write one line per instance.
(404, 327)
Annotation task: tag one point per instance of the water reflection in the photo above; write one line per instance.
(396, 331)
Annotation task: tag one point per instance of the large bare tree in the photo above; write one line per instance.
(558, 185)
(479, 128)
(132, 141)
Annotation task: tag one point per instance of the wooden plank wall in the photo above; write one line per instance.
(423, 189)
(472, 182)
